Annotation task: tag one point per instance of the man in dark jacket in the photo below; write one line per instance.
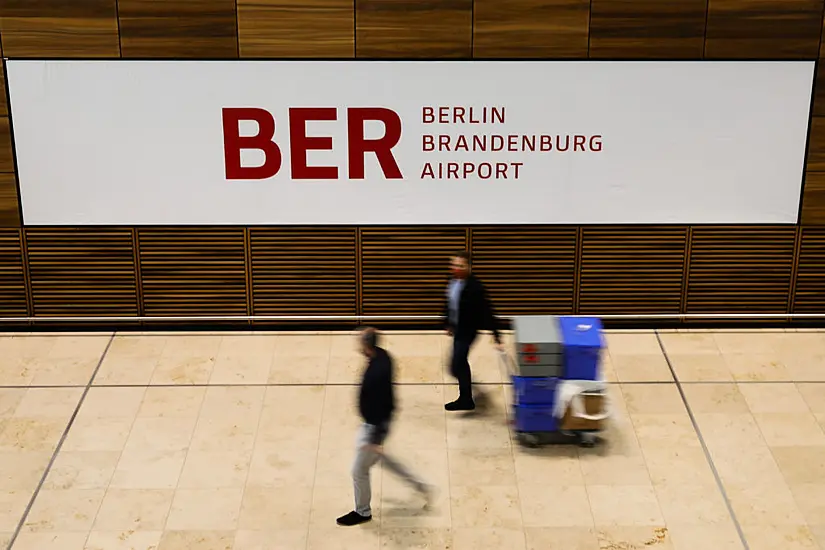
(467, 310)
(376, 403)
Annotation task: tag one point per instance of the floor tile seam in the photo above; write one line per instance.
(315, 471)
(59, 445)
(720, 485)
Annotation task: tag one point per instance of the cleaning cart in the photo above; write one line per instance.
(559, 396)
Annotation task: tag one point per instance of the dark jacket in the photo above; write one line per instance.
(376, 400)
(475, 311)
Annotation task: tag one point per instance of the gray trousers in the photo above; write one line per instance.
(365, 458)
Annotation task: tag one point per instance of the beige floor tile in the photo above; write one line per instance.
(760, 503)
(633, 537)
(171, 402)
(742, 342)
(302, 369)
(482, 467)
(555, 506)
(559, 538)
(63, 371)
(790, 429)
(653, 399)
(416, 538)
(286, 507)
(694, 537)
(487, 369)
(112, 403)
(215, 434)
(632, 343)
(215, 469)
(426, 370)
(423, 345)
(134, 510)
(476, 431)
(239, 368)
(160, 433)
(148, 469)
(805, 366)
(488, 506)
(679, 466)
(757, 368)
(772, 537)
(51, 541)
(665, 430)
(552, 465)
(700, 367)
(183, 369)
(692, 504)
(614, 470)
(345, 370)
(402, 506)
(277, 467)
(810, 497)
(98, 434)
(82, 470)
(202, 509)
(130, 360)
(49, 402)
(123, 540)
(715, 398)
(10, 398)
(271, 540)
(428, 432)
(232, 401)
(729, 430)
(676, 343)
(202, 540)
(773, 398)
(21, 470)
(814, 396)
(34, 434)
(738, 467)
(365, 537)
(64, 510)
(5, 539)
(624, 505)
(818, 532)
(12, 506)
(17, 372)
(431, 466)
(801, 464)
(641, 368)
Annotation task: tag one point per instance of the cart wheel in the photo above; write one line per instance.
(529, 440)
(587, 440)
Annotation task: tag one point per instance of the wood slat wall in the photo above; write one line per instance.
(402, 270)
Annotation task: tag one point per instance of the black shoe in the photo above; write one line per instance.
(461, 405)
(353, 518)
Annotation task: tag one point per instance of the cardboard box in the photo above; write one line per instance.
(594, 404)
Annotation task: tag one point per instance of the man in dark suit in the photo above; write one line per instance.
(467, 310)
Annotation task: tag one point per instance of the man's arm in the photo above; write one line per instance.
(489, 312)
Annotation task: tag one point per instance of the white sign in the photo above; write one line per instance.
(366, 142)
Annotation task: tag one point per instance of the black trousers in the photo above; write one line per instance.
(460, 367)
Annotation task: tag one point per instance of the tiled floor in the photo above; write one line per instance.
(244, 442)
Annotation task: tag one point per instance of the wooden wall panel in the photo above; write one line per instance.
(530, 28)
(193, 271)
(12, 280)
(810, 279)
(813, 199)
(178, 28)
(740, 269)
(303, 271)
(645, 29)
(59, 28)
(632, 269)
(6, 156)
(4, 107)
(763, 29)
(76, 272)
(9, 206)
(405, 270)
(296, 28)
(414, 28)
(528, 270)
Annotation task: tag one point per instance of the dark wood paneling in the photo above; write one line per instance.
(59, 28)
(4, 108)
(816, 145)
(192, 271)
(819, 90)
(80, 272)
(405, 270)
(6, 156)
(528, 270)
(763, 29)
(740, 269)
(9, 208)
(813, 199)
(632, 269)
(303, 271)
(645, 29)
(414, 28)
(296, 28)
(530, 28)
(810, 279)
(12, 281)
(178, 28)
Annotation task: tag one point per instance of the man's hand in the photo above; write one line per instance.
(449, 331)
(378, 449)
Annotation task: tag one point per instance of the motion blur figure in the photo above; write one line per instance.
(467, 310)
(376, 403)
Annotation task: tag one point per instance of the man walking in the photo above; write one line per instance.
(467, 309)
(376, 402)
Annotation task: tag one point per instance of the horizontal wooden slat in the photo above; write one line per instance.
(405, 270)
(12, 280)
(740, 269)
(810, 279)
(192, 271)
(86, 271)
(632, 270)
(528, 270)
(303, 271)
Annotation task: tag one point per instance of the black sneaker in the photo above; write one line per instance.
(353, 518)
(460, 405)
